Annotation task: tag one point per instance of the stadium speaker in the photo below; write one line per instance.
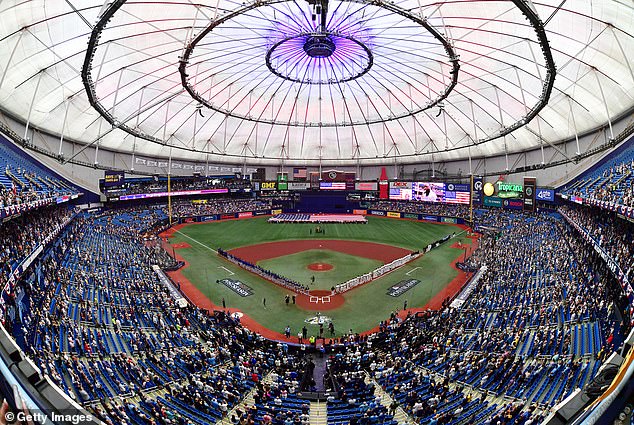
(568, 408)
(30, 371)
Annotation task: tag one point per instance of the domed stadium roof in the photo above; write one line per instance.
(331, 80)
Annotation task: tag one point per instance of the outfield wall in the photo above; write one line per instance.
(376, 213)
(412, 216)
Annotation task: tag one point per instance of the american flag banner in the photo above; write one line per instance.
(299, 173)
(332, 185)
(457, 197)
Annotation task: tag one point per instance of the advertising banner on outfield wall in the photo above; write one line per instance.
(264, 186)
(393, 214)
(410, 215)
(245, 214)
(209, 218)
(374, 212)
(452, 220)
(370, 186)
(429, 218)
(298, 185)
(492, 201)
(227, 216)
(545, 195)
(513, 204)
(360, 212)
(277, 211)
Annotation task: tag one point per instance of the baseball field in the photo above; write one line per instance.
(319, 262)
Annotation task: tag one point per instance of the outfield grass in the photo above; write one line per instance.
(345, 267)
(236, 233)
(364, 306)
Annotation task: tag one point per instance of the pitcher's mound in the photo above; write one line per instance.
(319, 267)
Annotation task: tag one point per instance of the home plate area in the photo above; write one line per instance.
(318, 300)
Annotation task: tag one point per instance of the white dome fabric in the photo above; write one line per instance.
(267, 81)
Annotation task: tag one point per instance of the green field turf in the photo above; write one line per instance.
(345, 267)
(236, 233)
(364, 306)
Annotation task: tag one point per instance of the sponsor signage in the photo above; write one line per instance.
(513, 204)
(113, 178)
(410, 215)
(509, 190)
(448, 193)
(268, 186)
(545, 195)
(238, 287)
(491, 201)
(277, 211)
(477, 186)
(430, 218)
(393, 214)
(298, 185)
(369, 186)
(227, 216)
(448, 220)
(360, 212)
(488, 189)
(209, 218)
(403, 286)
(245, 214)
(374, 212)
(530, 187)
(260, 212)
(175, 193)
(174, 293)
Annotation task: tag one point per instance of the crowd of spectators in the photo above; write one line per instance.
(418, 207)
(538, 324)
(614, 235)
(219, 206)
(615, 184)
(26, 188)
(96, 319)
(22, 235)
(153, 185)
(619, 189)
(131, 222)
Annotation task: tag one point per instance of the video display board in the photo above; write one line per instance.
(447, 193)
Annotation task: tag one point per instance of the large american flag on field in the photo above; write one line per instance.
(457, 197)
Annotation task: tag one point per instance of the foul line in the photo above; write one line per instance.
(415, 268)
(199, 243)
(226, 269)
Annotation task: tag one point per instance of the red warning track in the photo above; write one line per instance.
(265, 251)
